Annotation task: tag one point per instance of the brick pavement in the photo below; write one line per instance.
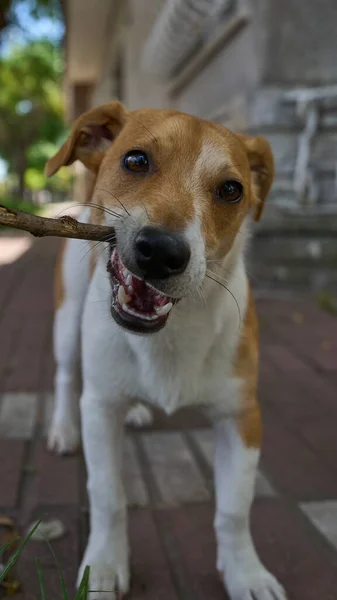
(170, 490)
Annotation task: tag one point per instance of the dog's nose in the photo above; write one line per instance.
(160, 253)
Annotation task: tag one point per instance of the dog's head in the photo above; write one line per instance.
(177, 190)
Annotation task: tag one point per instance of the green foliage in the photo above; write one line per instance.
(37, 156)
(17, 553)
(19, 204)
(31, 108)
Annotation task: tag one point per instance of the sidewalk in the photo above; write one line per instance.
(168, 471)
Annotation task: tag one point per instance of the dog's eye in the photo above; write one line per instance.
(230, 191)
(136, 161)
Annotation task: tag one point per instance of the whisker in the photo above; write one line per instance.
(219, 265)
(113, 195)
(201, 295)
(105, 209)
(231, 293)
(92, 247)
(216, 275)
(109, 211)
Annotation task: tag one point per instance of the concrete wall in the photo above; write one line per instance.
(301, 42)
(241, 82)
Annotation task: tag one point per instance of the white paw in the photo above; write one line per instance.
(64, 437)
(255, 585)
(139, 416)
(107, 581)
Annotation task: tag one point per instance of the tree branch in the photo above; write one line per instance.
(65, 227)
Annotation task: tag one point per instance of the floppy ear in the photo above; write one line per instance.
(261, 163)
(90, 136)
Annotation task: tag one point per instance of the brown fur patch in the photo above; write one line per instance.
(246, 368)
(59, 292)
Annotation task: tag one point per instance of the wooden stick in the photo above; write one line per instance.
(65, 227)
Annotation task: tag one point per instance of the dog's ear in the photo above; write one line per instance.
(90, 136)
(261, 163)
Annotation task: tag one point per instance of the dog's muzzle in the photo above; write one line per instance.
(157, 255)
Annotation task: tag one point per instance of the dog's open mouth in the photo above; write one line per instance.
(136, 305)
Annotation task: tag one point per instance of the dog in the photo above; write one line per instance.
(165, 314)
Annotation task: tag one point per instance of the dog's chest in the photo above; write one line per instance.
(181, 367)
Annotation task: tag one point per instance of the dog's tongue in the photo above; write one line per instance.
(144, 297)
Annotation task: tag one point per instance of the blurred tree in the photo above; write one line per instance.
(37, 9)
(31, 109)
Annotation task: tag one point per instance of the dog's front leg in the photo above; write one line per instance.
(237, 452)
(107, 549)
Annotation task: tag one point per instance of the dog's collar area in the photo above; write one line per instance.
(135, 304)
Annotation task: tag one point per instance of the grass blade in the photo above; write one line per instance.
(83, 590)
(16, 554)
(41, 580)
(63, 585)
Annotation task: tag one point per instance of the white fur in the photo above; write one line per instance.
(139, 416)
(64, 434)
(187, 363)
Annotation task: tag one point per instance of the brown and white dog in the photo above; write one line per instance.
(165, 315)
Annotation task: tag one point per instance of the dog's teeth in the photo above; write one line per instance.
(128, 279)
(130, 290)
(125, 272)
(163, 310)
(123, 298)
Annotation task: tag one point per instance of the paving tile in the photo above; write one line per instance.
(57, 477)
(294, 551)
(177, 475)
(282, 358)
(18, 415)
(10, 331)
(314, 341)
(11, 275)
(204, 438)
(48, 406)
(66, 549)
(320, 434)
(12, 248)
(292, 466)
(134, 484)
(151, 577)
(25, 365)
(48, 369)
(324, 516)
(300, 395)
(192, 530)
(263, 486)
(12, 453)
